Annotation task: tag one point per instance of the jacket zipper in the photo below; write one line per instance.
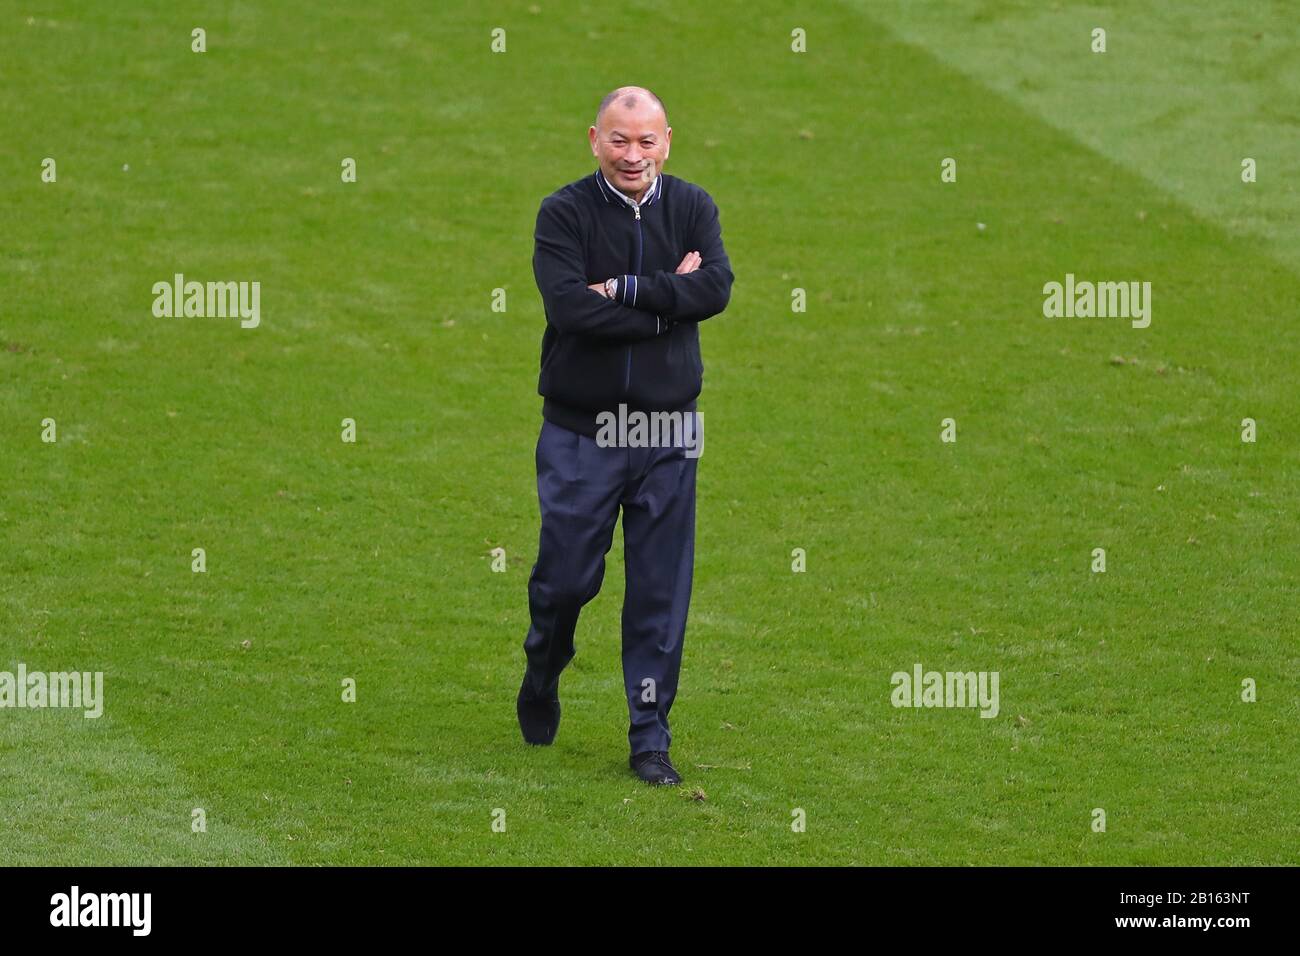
(627, 375)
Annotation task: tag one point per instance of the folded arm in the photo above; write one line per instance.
(572, 307)
(692, 296)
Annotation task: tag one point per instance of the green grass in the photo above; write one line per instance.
(371, 560)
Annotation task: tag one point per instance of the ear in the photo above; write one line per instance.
(591, 138)
(668, 141)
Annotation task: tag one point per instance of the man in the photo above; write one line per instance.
(628, 261)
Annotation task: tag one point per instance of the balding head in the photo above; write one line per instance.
(631, 138)
(629, 98)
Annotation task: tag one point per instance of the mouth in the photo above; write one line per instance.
(633, 173)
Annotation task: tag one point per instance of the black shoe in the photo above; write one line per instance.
(653, 766)
(538, 719)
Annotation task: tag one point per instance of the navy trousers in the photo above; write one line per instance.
(580, 488)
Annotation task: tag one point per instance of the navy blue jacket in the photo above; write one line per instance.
(643, 348)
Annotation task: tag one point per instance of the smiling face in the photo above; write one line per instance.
(631, 143)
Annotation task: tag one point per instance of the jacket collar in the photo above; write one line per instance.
(613, 195)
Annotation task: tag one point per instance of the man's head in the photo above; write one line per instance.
(631, 139)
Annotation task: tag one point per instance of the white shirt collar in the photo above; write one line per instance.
(649, 193)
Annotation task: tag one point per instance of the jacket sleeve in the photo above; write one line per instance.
(697, 295)
(571, 307)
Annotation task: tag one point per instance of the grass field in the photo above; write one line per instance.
(370, 561)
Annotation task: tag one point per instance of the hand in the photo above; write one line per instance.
(689, 264)
(598, 287)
